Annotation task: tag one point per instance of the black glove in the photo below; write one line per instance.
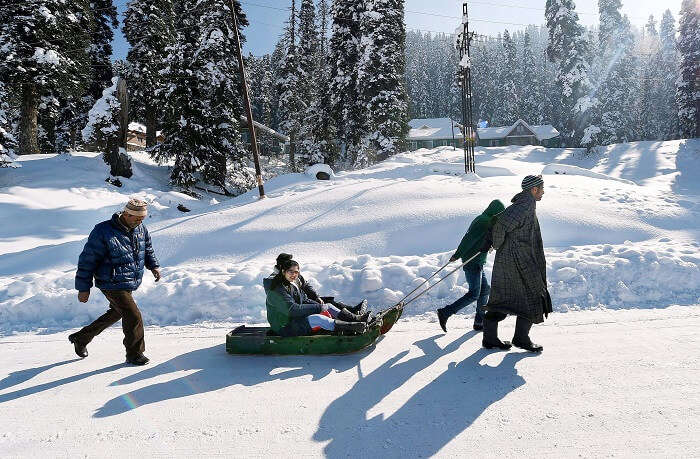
(487, 242)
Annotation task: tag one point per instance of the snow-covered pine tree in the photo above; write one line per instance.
(73, 111)
(668, 66)
(287, 88)
(149, 29)
(204, 102)
(319, 143)
(687, 92)
(618, 77)
(645, 107)
(7, 139)
(44, 51)
(102, 131)
(260, 80)
(567, 47)
(380, 82)
(529, 84)
(508, 109)
(344, 60)
(307, 152)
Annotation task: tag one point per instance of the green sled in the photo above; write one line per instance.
(263, 341)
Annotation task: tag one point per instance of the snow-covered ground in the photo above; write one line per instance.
(609, 384)
(618, 375)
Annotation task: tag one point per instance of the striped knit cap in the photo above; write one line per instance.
(532, 181)
(136, 207)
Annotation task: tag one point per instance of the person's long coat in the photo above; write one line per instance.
(519, 279)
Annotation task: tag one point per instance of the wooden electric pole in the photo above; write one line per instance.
(464, 79)
(246, 101)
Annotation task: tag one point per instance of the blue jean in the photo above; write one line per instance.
(479, 290)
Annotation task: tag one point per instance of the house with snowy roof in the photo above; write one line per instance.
(438, 132)
(433, 132)
(519, 133)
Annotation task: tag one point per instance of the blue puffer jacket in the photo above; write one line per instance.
(115, 257)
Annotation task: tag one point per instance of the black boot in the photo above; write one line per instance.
(490, 339)
(350, 327)
(521, 337)
(80, 348)
(137, 360)
(442, 319)
(348, 316)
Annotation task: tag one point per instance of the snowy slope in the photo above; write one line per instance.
(620, 230)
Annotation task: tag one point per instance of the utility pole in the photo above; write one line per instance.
(246, 101)
(464, 79)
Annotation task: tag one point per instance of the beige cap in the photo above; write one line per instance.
(136, 207)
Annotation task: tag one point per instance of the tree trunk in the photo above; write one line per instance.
(28, 137)
(292, 153)
(116, 156)
(151, 124)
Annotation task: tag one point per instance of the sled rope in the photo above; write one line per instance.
(435, 273)
(442, 279)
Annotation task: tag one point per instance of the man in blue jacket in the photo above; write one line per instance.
(115, 255)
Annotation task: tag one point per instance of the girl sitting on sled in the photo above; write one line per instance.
(294, 308)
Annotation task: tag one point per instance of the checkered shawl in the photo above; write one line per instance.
(519, 279)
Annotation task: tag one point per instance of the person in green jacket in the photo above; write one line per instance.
(473, 242)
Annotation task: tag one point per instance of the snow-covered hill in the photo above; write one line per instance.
(620, 231)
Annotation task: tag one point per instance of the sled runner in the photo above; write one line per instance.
(261, 340)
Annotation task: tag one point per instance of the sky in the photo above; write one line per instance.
(487, 17)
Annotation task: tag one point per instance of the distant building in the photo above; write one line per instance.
(433, 132)
(439, 132)
(520, 133)
(136, 137)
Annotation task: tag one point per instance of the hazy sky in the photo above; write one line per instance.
(267, 17)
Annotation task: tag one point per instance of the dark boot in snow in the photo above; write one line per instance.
(137, 360)
(442, 319)
(350, 327)
(80, 348)
(348, 316)
(478, 326)
(521, 337)
(490, 339)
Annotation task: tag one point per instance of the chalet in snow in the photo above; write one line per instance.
(438, 132)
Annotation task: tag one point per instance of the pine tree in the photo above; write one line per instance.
(646, 106)
(149, 29)
(201, 126)
(307, 150)
(344, 59)
(7, 139)
(668, 68)
(43, 51)
(568, 48)
(319, 142)
(687, 92)
(380, 82)
(529, 84)
(508, 110)
(287, 86)
(617, 79)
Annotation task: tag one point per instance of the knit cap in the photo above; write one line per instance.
(532, 181)
(136, 207)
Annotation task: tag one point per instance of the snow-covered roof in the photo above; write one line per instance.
(541, 131)
(432, 128)
(137, 127)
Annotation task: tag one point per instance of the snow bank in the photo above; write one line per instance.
(650, 274)
(565, 169)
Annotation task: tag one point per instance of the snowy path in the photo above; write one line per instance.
(620, 383)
